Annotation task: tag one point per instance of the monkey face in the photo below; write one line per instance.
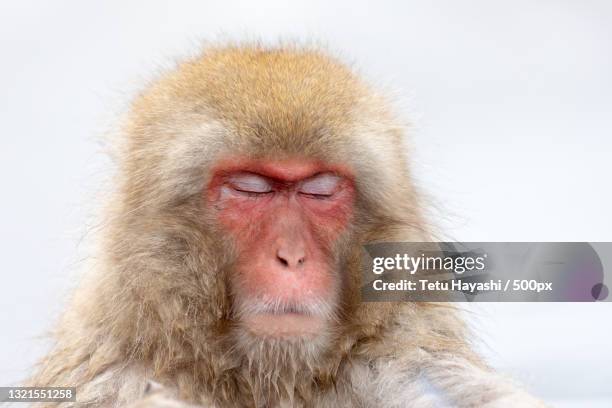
(285, 217)
(250, 181)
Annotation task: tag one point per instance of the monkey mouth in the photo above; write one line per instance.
(291, 309)
(285, 319)
(284, 325)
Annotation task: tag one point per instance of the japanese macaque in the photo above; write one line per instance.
(249, 180)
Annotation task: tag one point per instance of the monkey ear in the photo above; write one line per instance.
(152, 387)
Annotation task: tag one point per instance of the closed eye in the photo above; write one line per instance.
(249, 183)
(317, 196)
(321, 186)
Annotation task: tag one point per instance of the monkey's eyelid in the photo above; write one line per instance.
(321, 185)
(250, 183)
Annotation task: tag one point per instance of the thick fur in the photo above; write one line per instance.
(157, 308)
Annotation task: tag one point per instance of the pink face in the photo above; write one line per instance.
(284, 217)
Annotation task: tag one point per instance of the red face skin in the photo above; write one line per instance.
(284, 217)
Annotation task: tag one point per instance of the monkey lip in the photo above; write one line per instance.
(284, 325)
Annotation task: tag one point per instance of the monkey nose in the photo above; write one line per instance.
(290, 257)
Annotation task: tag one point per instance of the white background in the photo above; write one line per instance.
(511, 105)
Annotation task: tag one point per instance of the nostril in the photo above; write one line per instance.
(290, 259)
(282, 260)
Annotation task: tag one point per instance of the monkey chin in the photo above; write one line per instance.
(284, 325)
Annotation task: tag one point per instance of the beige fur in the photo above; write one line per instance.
(158, 309)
